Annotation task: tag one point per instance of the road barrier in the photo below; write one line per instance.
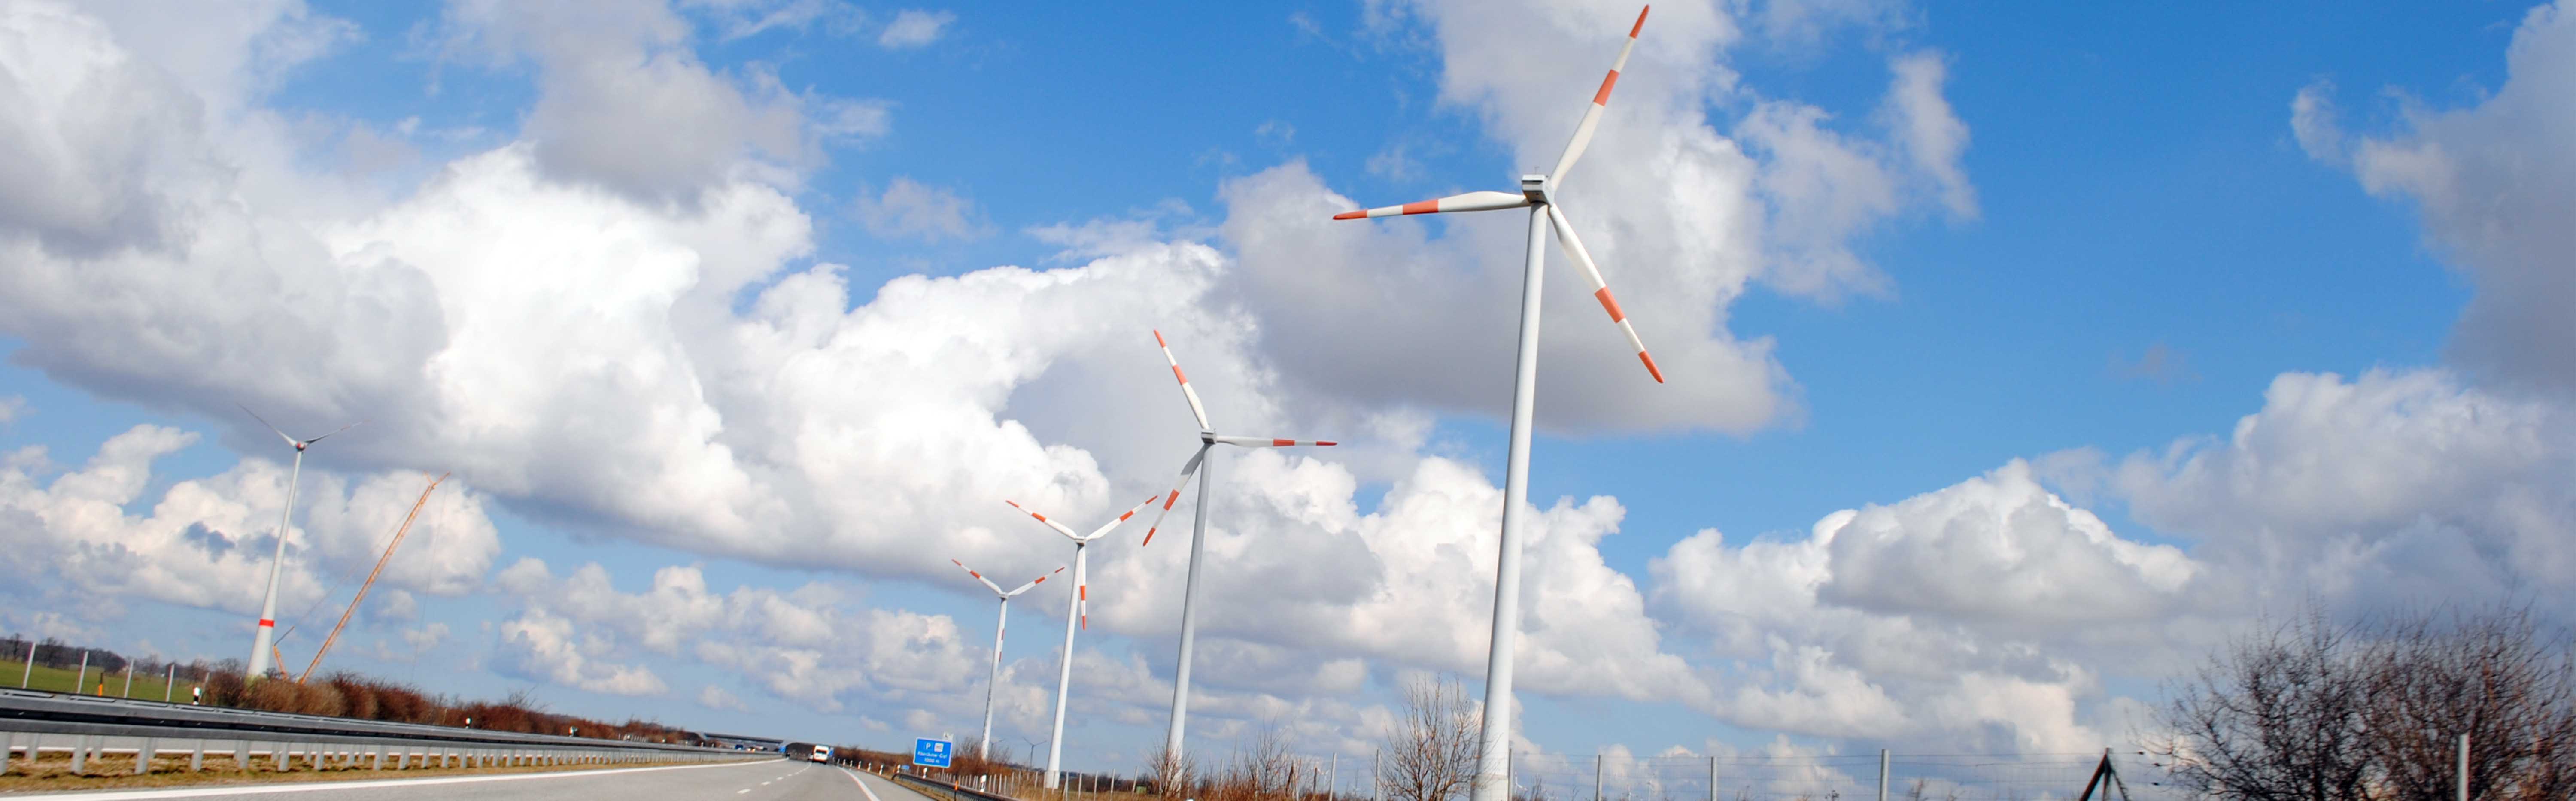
(31, 720)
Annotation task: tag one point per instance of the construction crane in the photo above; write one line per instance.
(371, 577)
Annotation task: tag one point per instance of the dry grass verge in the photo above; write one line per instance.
(53, 773)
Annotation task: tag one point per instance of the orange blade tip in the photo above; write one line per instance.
(1650, 366)
(1350, 215)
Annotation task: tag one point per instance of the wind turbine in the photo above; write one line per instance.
(1538, 194)
(260, 642)
(1077, 612)
(1005, 622)
(1208, 438)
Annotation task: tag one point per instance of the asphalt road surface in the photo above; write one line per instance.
(768, 780)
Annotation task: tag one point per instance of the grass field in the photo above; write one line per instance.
(147, 686)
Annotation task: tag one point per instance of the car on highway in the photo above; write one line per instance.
(821, 753)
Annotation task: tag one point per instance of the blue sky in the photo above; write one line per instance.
(2149, 246)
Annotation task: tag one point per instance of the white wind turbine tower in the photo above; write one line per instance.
(1208, 438)
(260, 642)
(1538, 194)
(1077, 612)
(998, 626)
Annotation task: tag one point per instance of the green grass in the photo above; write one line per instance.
(147, 686)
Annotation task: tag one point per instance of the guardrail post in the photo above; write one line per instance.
(80, 754)
(197, 761)
(380, 758)
(9, 742)
(143, 755)
(277, 757)
(241, 755)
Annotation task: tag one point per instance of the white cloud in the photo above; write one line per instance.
(913, 28)
(608, 69)
(207, 542)
(2492, 182)
(909, 209)
(537, 645)
(718, 698)
(13, 408)
(2360, 492)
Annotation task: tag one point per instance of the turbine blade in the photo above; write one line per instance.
(264, 421)
(1187, 470)
(1059, 527)
(1472, 201)
(997, 589)
(340, 429)
(1268, 442)
(1082, 589)
(1600, 99)
(1600, 289)
(1196, 410)
(1122, 517)
(1033, 583)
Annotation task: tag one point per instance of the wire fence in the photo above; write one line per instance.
(1907, 777)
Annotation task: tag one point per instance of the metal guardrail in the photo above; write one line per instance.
(944, 791)
(88, 719)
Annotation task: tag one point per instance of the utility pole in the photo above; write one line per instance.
(2464, 767)
(1596, 777)
(1882, 774)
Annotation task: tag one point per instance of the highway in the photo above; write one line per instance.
(777, 780)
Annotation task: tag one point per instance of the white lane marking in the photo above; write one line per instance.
(741, 791)
(863, 786)
(254, 789)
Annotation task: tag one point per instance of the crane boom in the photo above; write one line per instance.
(371, 577)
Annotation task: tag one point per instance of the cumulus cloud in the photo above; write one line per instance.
(1972, 610)
(2492, 181)
(607, 69)
(207, 542)
(537, 645)
(2375, 489)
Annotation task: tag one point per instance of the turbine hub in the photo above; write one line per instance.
(1207, 437)
(299, 447)
(1536, 188)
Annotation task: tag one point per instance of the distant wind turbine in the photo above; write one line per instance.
(1077, 612)
(1208, 438)
(1538, 194)
(260, 641)
(1005, 622)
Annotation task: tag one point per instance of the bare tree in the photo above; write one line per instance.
(2313, 711)
(2488, 674)
(2275, 717)
(1431, 751)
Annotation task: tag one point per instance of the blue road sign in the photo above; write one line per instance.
(931, 753)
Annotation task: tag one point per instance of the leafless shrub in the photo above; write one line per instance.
(1431, 751)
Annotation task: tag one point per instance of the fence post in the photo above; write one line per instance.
(81, 678)
(169, 679)
(129, 679)
(2464, 767)
(1882, 774)
(28, 673)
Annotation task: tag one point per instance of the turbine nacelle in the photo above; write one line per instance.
(1537, 188)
